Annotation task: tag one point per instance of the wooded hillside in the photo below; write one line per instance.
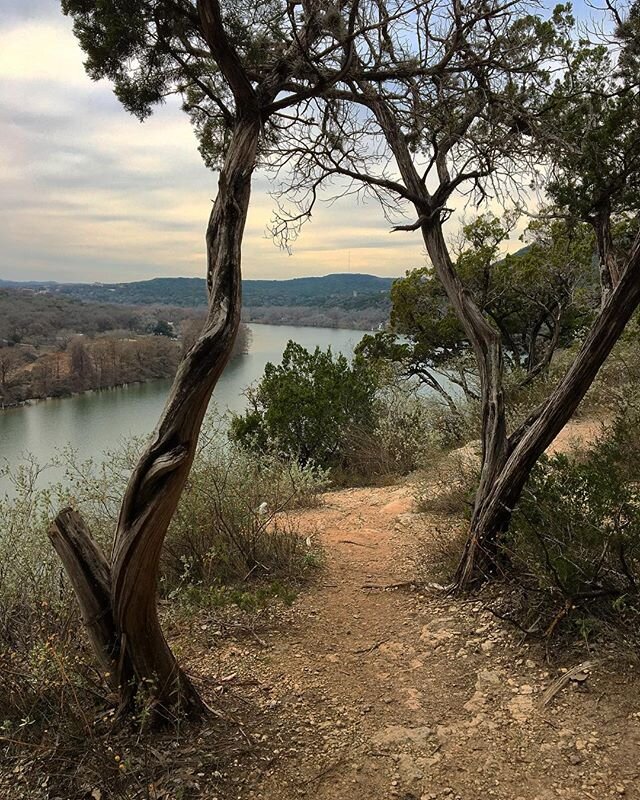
(52, 345)
(340, 300)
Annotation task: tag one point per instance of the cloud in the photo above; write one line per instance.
(89, 193)
(12, 11)
(40, 47)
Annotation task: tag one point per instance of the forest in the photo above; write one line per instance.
(413, 573)
(53, 346)
(336, 301)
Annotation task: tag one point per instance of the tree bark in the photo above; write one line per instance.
(485, 340)
(90, 577)
(495, 503)
(129, 636)
(487, 347)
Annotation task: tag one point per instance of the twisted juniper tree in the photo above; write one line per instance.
(538, 300)
(503, 101)
(245, 72)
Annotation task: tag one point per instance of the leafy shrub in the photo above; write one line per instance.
(306, 406)
(230, 522)
(231, 542)
(575, 536)
(43, 676)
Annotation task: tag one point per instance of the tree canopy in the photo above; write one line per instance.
(536, 299)
(306, 405)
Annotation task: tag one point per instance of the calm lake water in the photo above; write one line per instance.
(95, 421)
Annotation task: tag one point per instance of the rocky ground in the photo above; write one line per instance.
(374, 688)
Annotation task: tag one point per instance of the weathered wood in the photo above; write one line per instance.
(90, 577)
(506, 461)
(145, 661)
(526, 445)
(156, 484)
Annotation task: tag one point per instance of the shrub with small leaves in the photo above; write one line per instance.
(575, 535)
(306, 406)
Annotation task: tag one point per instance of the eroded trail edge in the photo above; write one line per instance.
(400, 693)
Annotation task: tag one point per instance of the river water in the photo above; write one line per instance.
(99, 420)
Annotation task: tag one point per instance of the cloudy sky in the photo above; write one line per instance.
(89, 193)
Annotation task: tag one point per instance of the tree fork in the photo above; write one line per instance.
(119, 600)
(525, 446)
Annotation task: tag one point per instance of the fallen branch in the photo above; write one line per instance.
(370, 649)
(512, 621)
(563, 680)
(381, 586)
(359, 544)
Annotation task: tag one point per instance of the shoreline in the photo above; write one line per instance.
(66, 395)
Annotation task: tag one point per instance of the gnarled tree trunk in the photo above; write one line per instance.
(495, 500)
(119, 600)
(485, 340)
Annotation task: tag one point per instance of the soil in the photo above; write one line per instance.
(375, 685)
(372, 686)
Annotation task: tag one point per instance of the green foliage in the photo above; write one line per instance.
(540, 298)
(306, 406)
(628, 33)
(164, 328)
(154, 49)
(420, 310)
(593, 119)
(575, 536)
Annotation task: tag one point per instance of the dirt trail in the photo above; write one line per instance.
(369, 693)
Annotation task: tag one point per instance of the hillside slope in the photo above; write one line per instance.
(339, 290)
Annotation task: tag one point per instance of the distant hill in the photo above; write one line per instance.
(345, 291)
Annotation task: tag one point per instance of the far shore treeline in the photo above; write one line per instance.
(54, 346)
(59, 339)
(335, 301)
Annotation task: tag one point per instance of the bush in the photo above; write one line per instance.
(43, 675)
(575, 536)
(409, 431)
(448, 485)
(306, 406)
(231, 542)
(231, 524)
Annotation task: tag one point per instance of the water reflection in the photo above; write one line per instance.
(95, 421)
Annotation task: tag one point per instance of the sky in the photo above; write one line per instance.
(88, 193)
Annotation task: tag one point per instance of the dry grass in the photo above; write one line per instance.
(448, 485)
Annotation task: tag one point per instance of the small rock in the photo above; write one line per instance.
(397, 735)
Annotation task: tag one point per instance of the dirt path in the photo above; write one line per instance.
(368, 693)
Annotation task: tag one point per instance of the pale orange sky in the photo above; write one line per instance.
(88, 193)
